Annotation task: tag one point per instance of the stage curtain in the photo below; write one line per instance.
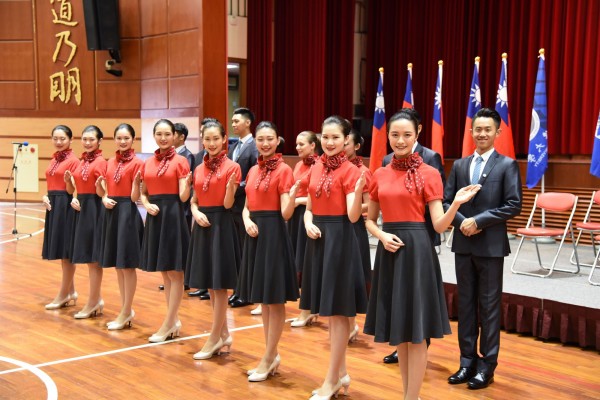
(424, 32)
(260, 59)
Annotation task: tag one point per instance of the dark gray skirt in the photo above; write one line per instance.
(122, 233)
(58, 226)
(87, 230)
(298, 236)
(407, 301)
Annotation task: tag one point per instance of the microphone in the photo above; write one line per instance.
(21, 143)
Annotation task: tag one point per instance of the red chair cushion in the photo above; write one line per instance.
(540, 232)
(589, 226)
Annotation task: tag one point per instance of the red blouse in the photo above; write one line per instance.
(282, 180)
(57, 181)
(396, 203)
(344, 181)
(167, 183)
(128, 173)
(217, 187)
(302, 173)
(96, 169)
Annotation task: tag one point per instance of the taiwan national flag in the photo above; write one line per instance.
(504, 143)
(409, 100)
(537, 159)
(437, 128)
(379, 135)
(474, 105)
(595, 167)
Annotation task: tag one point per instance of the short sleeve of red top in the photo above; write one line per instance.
(96, 169)
(396, 203)
(167, 183)
(57, 181)
(302, 173)
(281, 181)
(128, 173)
(344, 181)
(217, 187)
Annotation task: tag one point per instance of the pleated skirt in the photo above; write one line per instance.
(268, 272)
(166, 236)
(214, 255)
(298, 236)
(122, 233)
(58, 227)
(333, 281)
(360, 230)
(407, 302)
(87, 230)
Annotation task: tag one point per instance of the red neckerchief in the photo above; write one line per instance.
(57, 158)
(413, 176)
(88, 158)
(265, 169)
(310, 160)
(330, 164)
(358, 161)
(214, 166)
(122, 159)
(164, 159)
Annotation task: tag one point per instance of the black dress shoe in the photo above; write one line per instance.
(186, 287)
(239, 303)
(232, 298)
(205, 296)
(391, 358)
(161, 287)
(197, 293)
(480, 381)
(462, 375)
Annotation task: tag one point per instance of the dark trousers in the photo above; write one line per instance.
(479, 281)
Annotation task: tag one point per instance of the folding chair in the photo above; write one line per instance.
(549, 202)
(588, 226)
(594, 265)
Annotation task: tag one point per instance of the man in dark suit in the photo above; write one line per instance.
(244, 153)
(433, 159)
(480, 244)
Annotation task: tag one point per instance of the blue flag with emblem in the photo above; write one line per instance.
(537, 159)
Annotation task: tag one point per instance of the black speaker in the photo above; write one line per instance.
(102, 24)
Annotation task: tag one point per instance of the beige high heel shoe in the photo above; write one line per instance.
(256, 377)
(64, 302)
(353, 335)
(251, 371)
(96, 310)
(345, 380)
(205, 355)
(116, 326)
(334, 393)
(296, 323)
(171, 333)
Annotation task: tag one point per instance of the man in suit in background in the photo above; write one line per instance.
(433, 159)
(244, 153)
(480, 244)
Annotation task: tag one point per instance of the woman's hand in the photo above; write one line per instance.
(390, 242)
(190, 179)
(152, 209)
(313, 231)
(108, 202)
(46, 201)
(67, 176)
(465, 194)
(251, 228)
(201, 219)
(360, 183)
(75, 203)
(137, 179)
(231, 182)
(294, 189)
(99, 182)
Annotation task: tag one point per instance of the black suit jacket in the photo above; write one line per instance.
(433, 159)
(499, 200)
(185, 152)
(246, 159)
(198, 159)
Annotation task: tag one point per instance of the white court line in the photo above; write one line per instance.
(50, 385)
(111, 352)
(28, 234)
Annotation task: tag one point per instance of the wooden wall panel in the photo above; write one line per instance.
(184, 15)
(131, 53)
(183, 53)
(18, 61)
(154, 94)
(17, 96)
(130, 19)
(154, 57)
(17, 20)
(153, 15)
(184, 92)
(119, 95)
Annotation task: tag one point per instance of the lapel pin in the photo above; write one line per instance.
(484, 175)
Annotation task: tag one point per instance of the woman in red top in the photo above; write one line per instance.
(352, 148)
(165, 187)
(407, 302)
(307, 145)
(214, 253)
(88, 217)
(123, 228)
(333, 282)
(60, 215)
(268, 273)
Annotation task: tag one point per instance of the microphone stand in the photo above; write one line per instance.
(13, 178)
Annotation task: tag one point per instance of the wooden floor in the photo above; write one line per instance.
(85, 361)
